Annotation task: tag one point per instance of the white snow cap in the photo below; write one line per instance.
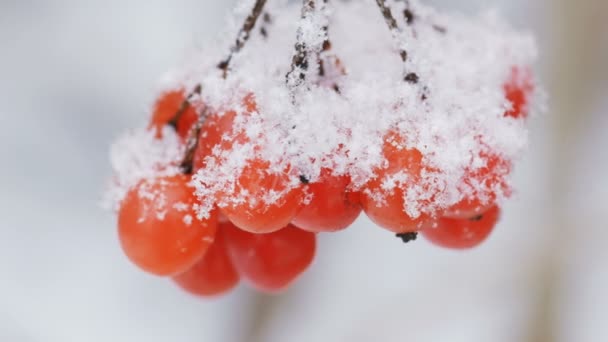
(452, 115)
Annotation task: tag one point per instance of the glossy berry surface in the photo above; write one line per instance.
(406, 165)
(463, 233)
(214, 274)
(333, 205)
(489, 179)
(254, 214)
(270, 262)
(217, 132)
(165, 109)
(158, 228)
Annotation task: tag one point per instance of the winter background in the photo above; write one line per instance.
(74, 74)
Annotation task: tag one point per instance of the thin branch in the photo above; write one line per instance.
(410, 77)
(192, 142)
(242, 38)
(193, 136)
(324, 59)
(299, 62)
(186, 103)
(243, 35)
(266, 21)
(391, 23)
(407, 237)
(326, 46)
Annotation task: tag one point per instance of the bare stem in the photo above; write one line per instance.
(192, 142)
(243, 35)
(322, 56)
(326, 46)
(407, 237)
(266, 21)
(242, 38)
(184, 106)
(299, 62)
(410, 77)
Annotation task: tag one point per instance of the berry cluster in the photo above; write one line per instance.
(244, 199)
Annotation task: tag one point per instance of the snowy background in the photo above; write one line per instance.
(74, 74)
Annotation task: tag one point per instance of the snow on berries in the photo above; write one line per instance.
(313, 115)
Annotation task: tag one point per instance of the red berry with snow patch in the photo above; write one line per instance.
(383, 197)
(165, 109)
(333, 205)
(262, 199)
(217, 132)
(158, 227)
(485, 181)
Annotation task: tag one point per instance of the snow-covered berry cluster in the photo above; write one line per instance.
(412, 116)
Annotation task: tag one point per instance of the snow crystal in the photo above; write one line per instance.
(188, 220)
(453, 114)
(140, 155)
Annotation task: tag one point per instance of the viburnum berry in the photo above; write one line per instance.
(463, 233)
(333, 205)
(402, 169)
(518, 90)
(214, 274)
(218, 131)
(165, 110)
(158, 227)
(267, 122)
(254, 214)
(270, 262)
(486, 180)
(270, 201)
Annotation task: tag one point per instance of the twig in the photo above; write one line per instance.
(410, 17)
(410, 77)
(192, 142)
(325, 48)
(266, 20)
(242, 38)
(243, 35)
(184, 106)
(407, 237)
(299, 63)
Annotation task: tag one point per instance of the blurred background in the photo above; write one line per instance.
(74, 74)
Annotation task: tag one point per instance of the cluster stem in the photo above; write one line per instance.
(391, 22)
(241, 39)
(243, 35)
(299, 62)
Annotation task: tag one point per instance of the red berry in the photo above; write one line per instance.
(406, 165)
(214, 274)
(165, 108)
(254, 214)
(158, 228)
(488, 180)
(518, 90)
(256, 179)
(468, 207)
(212, 132)
(333, 206)
(463, 233)
(270, 262)
(218, 130)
